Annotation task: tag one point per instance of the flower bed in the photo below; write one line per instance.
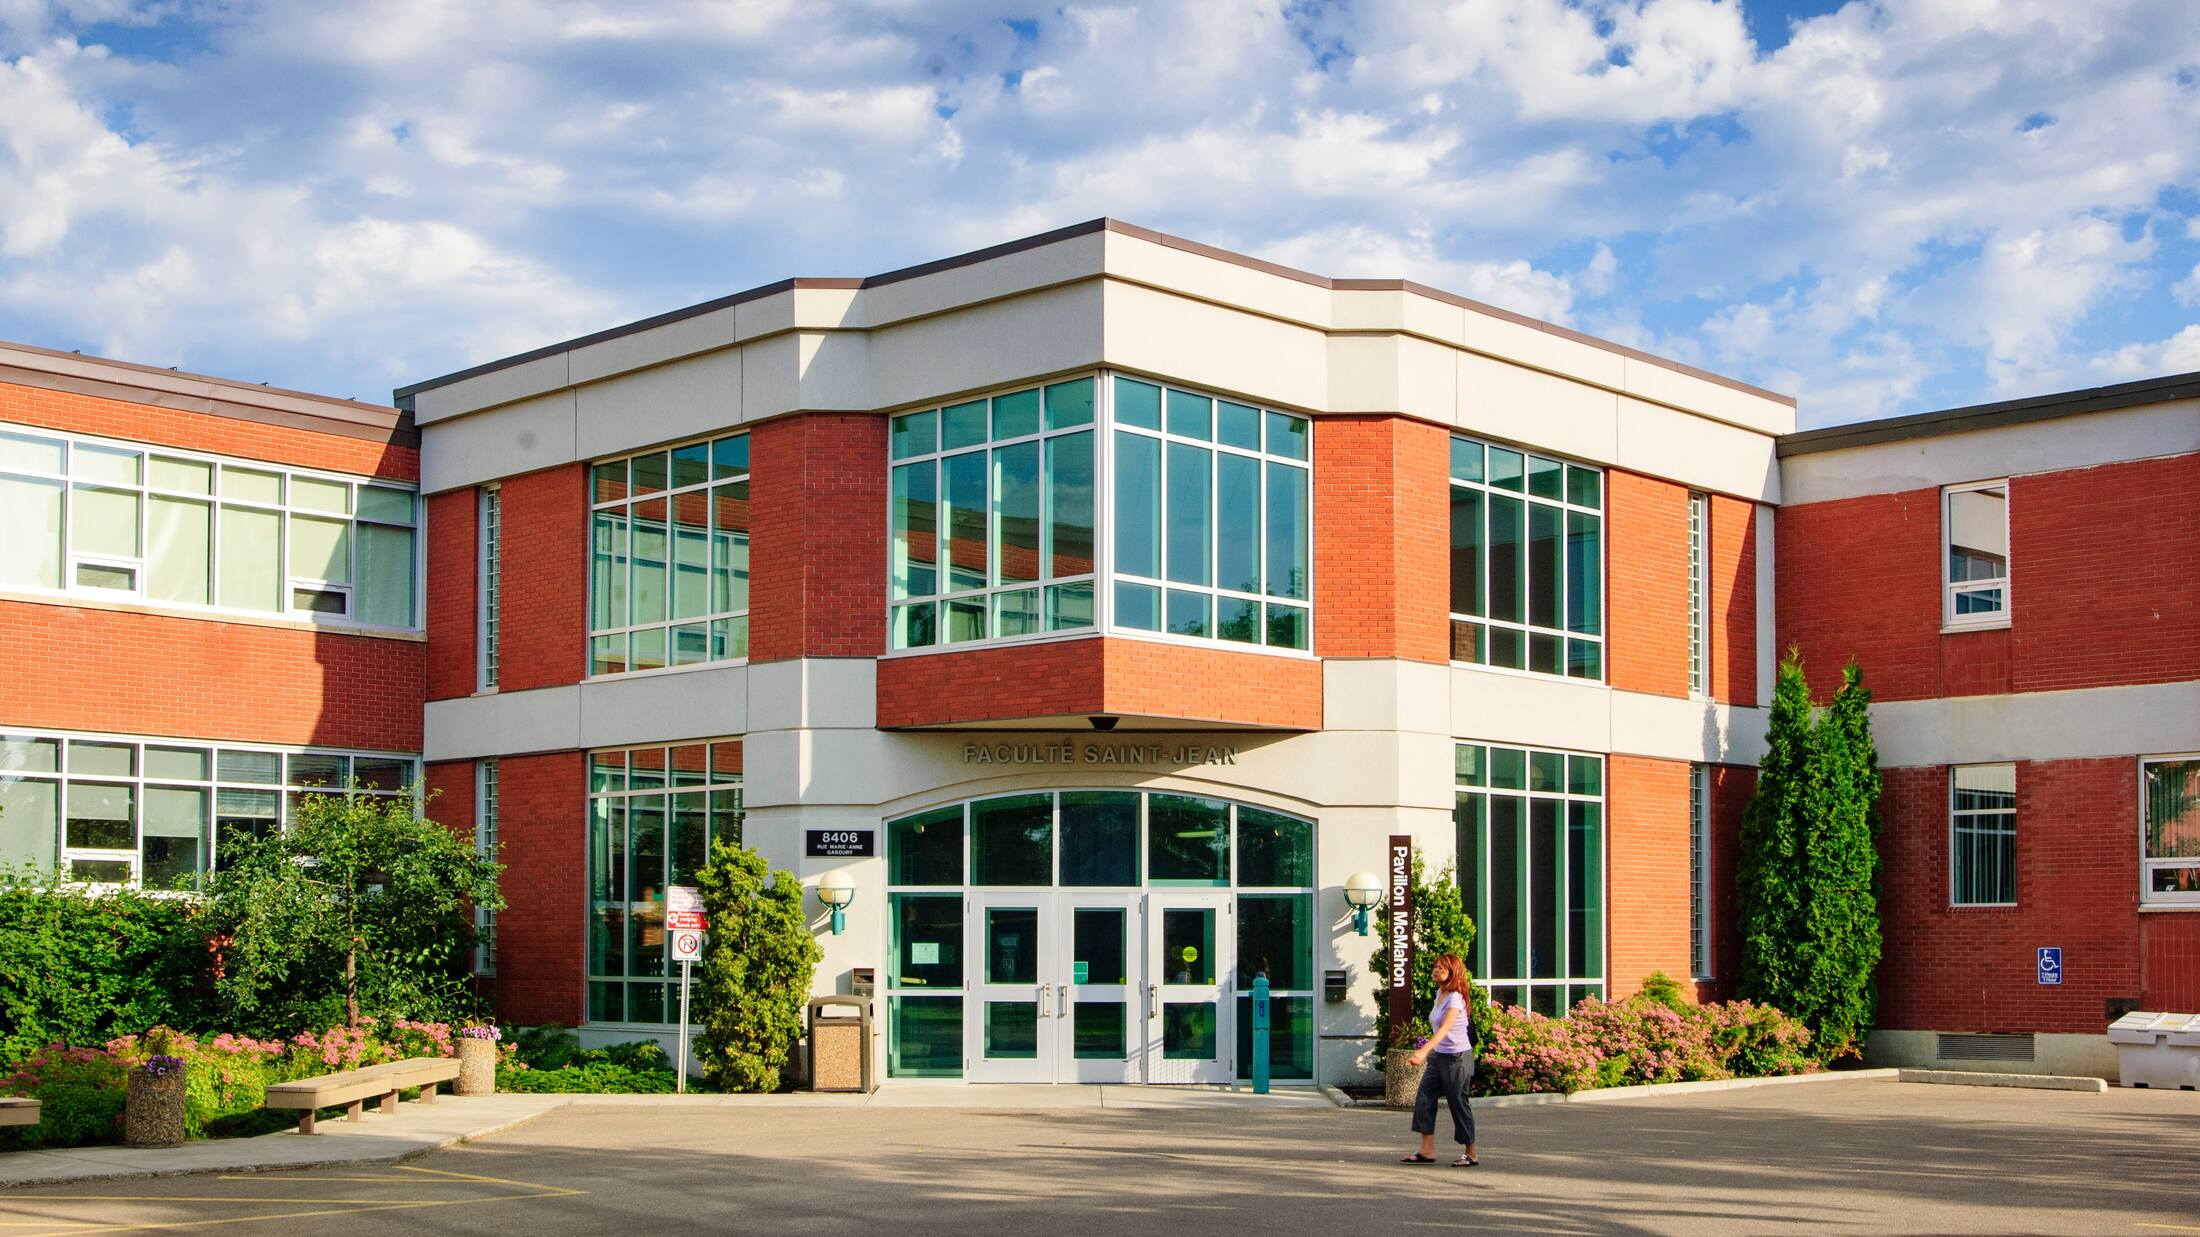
(1634, 1042)
(82, 1089)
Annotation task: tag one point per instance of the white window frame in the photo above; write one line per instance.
(1955, 818)
(1699, 594)
(2148, 899)
(214, 499)
(1565, 796)
(489, 583)
(485, 845)
(1566, 506)
(1951, 588)
(1699, 870)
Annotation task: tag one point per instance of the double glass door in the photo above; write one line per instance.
(1099, 987)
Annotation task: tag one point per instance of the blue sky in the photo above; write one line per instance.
(1881, 206)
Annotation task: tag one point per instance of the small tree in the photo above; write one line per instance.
(756, 969)
(1808, 885)
(1440, 925)
(361, 905)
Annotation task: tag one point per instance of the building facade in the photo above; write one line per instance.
(1095, 606)
(1091, 609)
(2012, 579)
(210, 602)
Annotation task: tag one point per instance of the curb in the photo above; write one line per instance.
(2035, 1082)
(1655, 1090)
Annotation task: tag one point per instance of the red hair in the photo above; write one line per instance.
(1455, 977)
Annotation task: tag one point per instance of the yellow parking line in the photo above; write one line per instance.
(524, 1185)
(2174, 1228)
(72, 1228)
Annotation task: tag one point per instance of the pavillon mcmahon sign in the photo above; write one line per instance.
(1400, 906)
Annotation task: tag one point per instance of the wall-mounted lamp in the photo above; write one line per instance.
(837, 890)
(1363, 891)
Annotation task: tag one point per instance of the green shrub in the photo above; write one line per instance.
(1635, 1042)
(82, 968)
(1659, 988)
(80, 1091)
(754, 984)
(595, 1077)
(548, 1046)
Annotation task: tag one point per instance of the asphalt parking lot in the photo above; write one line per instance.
(1848, 1157)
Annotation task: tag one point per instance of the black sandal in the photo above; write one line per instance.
(1466, 1161)
(1418, 1158)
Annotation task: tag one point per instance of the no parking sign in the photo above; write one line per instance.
(687, 945)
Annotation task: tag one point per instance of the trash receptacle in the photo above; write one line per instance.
(840, 1044)
(2157, 1050)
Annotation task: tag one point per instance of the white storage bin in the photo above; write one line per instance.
(2157, 1050)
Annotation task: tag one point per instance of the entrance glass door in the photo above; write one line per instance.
(1011, 1038)
(1190, 1018)
(1100, 1036)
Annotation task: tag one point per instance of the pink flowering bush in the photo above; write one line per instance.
(225, 1081)
(1633, 1042)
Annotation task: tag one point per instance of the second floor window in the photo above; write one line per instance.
(122, 522)
(668, 579)
(1975, 528)
(2169, 853)
(1527, 561)
(1982, 823)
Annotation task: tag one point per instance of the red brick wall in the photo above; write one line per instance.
(80, 668)
(1732, 657)
(1382, 529)
(201, 431)
(543, 618)
(1731, 788)
(542, 959)
(2169, 961)
(817, 547)
(1646, 848)
(1646, 556)
(1861, 577)
(453, 580)
(1972, 968)
(1125, 677)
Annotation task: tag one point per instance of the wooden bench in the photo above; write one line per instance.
(353, 1088)
(15, 1111)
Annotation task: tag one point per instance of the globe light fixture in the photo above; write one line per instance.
(1363, 891)
(837, 890)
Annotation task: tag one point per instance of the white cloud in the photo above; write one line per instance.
(2187, 290)
(2178, 354)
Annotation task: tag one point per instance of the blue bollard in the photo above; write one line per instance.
(1260, 1035)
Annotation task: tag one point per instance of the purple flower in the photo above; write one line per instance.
(481, 1032)
(162, 1066)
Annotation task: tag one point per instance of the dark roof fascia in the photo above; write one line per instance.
(404, 395)
(1992, 416)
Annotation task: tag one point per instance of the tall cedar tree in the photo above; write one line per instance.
(1770, 884)
(1808, 885)
(754, 983)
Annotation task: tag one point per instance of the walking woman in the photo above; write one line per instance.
(1449, 1060)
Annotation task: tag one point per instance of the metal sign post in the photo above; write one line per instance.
(684, 926)
(680, 1063)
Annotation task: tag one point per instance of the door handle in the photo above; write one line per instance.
(1062, 1009)
(1044, 1012)
(1153, 1001)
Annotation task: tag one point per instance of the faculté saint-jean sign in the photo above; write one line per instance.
(1099, 754)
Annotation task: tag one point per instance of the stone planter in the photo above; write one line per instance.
(152, 1112)
(1401, 1078)
(477, 1067)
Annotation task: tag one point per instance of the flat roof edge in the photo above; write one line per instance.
(2136, 394)
(155, 386)
(1057, 235)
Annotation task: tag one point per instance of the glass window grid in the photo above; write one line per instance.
(1699, 871)
(1982, 835)
(712, 779)
(1956, 593)
(724, 630)
(1699, 588)
(214, 499)
(2169, 786)
(1471, 632)
(905, 604)
(492, 517)
(1477, 774)
(1268, 602)
(485, 844)
(1145, 799)
(1103, 578)
(287, 789)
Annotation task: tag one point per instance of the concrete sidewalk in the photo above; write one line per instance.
(454, 1119)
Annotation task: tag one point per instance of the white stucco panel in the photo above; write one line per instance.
(502, 442)
(1224, 350)
(684, 399)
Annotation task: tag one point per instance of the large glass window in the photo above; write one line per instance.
(1982, 831)
(1527, 561)
(1531, 868)
(124, 521)
(2169, 852)
(993, 517)
(1212, 517)
(1975, 530)
(668, 578)
(158, 812)
(997, 520)
(652, 815)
